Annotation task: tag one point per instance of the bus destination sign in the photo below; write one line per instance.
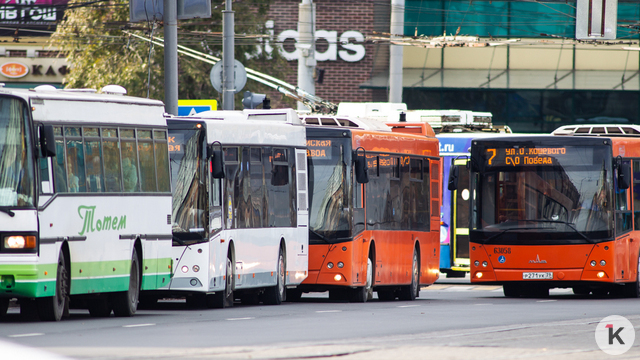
(523, 156)
(319, 149)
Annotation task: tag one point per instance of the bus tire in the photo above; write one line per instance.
(410, 292)
(363, 293)
(275, 295)
(4, 306)
(632, 290)
(224, 299)
(125, 303)
(52, 308)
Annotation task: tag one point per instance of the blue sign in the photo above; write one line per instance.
(502, 259)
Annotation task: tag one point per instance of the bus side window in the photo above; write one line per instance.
(59, 168)
(636, 194)
(129, 161)
(76, 180)
(623, 212)
(45, 179)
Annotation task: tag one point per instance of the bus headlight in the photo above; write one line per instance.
(593, 263)
(600, 274)
(330, 265)
(20, 242)
(476, 263)
(196, 268)
(485, 264)
(603, 263)
(185, 268)
(340, 264)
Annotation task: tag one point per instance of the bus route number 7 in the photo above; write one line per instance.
(493, 152)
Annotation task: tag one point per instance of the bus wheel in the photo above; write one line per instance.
(52, 308)
(632, 290)
(364, 293)
(224, 299)
(125, 303)
(4, 306)
(276, 294)
(410, 292)
(511, 290)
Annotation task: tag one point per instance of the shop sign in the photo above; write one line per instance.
(14, 70)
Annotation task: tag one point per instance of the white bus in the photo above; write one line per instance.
(85, 200)
(239, 182)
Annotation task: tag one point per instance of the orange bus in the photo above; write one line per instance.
(374, 210)
(557, 211)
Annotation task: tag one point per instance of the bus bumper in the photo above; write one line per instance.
(27, 281)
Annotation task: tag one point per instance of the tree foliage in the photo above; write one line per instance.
(100, 52)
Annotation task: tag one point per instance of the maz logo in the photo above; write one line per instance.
(537, 260)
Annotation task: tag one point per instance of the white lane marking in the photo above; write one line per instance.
(459, 288)
(244, 318)
(546, 300)
(137, 325)
(408, 306)
(25, 335)
(482, 304)
(329, 311)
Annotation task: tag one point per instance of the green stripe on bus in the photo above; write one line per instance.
(87, 277)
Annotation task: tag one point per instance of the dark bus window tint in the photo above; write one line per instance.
(113, 178)
(94, 166)
(59, 171)
(129, 166)
(75, 166)
(231, 154)
(147, 167)
(162, 166)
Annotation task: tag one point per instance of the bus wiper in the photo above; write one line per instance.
(322, 237)
(7, 211)
(486, 241)
(570, 225)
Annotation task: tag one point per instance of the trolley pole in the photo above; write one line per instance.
(171, 57)
(306, 48)
(395, 52)
(228, 73)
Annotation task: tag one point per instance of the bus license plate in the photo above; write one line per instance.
(537, 275)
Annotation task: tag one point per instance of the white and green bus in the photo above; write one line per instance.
(240, 208)
(85, 200)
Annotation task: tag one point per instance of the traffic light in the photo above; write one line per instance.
(251, 100)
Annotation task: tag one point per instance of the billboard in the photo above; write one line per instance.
(29, 16)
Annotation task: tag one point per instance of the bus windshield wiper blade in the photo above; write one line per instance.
(7, 211)
(570, 225)
(486, 241)
(322, 237)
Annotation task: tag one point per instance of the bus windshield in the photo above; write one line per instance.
(329, 189)
(188, 184)
(544, 194)
(17, 179)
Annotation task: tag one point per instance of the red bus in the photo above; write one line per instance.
(374, 210)
(557, 211)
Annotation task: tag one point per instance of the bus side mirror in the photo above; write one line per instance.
(362, 169)
(453, 178)
(217, 164)
(624, 175)
(47, 141)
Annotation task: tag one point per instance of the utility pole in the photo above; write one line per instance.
(306, 48)
(228, 73)
(395, 52)
(170, 19)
